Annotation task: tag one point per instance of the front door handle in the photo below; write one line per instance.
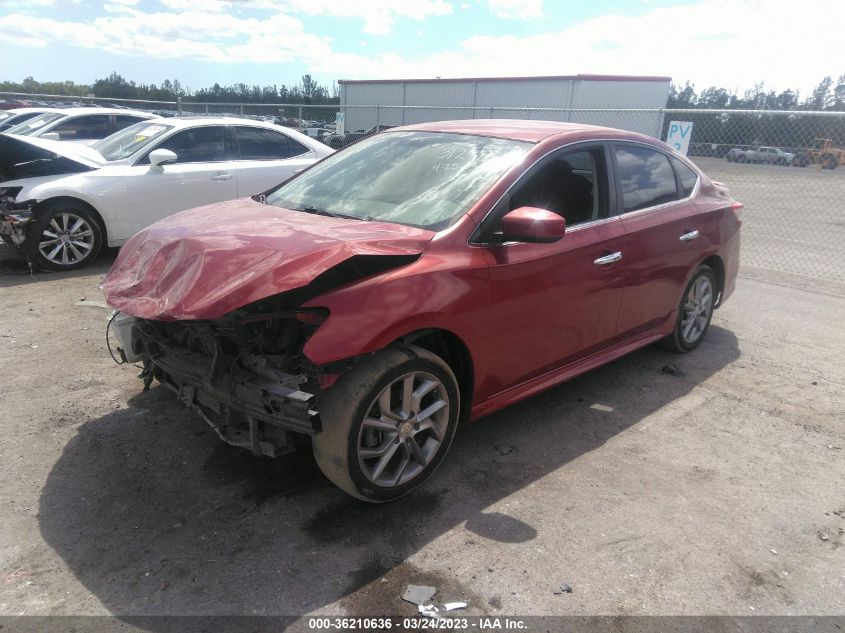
(608, 259)
(221, 177)
(689, 235)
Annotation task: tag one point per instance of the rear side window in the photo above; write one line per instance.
(196, 145)
(646, 177)
(686, 175)
(90, 127)
(262, 144)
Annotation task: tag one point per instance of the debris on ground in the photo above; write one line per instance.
(673, 370)
(504, 450)
(418, 594)
(429, 610)
(562, 589)
(601, 407)
(774, 551)
(451, 606)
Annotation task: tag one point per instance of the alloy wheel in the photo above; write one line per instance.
(67, 239)
(697, 308)
(403, 429)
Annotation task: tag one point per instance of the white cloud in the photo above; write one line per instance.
(713, 42)
(201, 6)
(379, 15)
(516, 9)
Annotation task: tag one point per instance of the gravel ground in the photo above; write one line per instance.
(717, 491)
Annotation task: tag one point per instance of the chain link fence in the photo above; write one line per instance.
(788, 168)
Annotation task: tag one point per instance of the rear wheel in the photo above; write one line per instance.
(829, 161)
(387, 423)
(694, 312)
(740, 158)
(65, 236)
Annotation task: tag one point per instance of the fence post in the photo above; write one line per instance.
(241, 108)
(378, 114)
(660, 121)
(206, 108)
(179, 104)
(300, 115)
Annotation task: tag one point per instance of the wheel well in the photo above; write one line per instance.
(715, 262)
(65, 199)
(451, 349)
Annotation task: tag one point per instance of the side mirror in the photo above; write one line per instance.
(162, 157)
(530, 224)
(51, 136)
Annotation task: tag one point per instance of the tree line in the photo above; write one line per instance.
(307, 91)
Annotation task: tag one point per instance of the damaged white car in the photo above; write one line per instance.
(60, 203)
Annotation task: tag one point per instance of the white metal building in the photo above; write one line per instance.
(405, 101)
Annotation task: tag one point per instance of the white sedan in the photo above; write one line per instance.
(85, 125)
(61, 202)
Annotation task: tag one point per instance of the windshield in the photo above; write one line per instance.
(33, 125)
(129, 140)
(422, 179)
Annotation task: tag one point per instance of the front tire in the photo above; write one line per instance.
(694, 312)
(740, 159)
(65, 236)
(388, 423)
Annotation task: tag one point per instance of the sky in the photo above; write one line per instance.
(733, 44)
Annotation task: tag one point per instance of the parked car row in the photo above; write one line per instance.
(61, 202)
(762, 154)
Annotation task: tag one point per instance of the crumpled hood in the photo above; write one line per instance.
(205, 262)
(25, 157)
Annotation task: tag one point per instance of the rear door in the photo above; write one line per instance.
(203, 173)
(267, 157)
(665, 233)
(554, 303)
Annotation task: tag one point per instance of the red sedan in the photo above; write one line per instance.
(423, 277)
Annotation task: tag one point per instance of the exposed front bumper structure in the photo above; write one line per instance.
(244, 408)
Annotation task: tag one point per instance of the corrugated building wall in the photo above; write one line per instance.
(406, 101)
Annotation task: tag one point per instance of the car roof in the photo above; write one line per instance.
(38, 109)
(94, 110)
(518, 129)
(191, 121)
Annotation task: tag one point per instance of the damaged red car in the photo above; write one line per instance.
(421, 278)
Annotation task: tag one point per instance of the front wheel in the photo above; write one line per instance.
(694, 312)
(740, 159)
(387, 423)
(65, 236)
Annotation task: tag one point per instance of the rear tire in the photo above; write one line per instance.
(829, 161)
(695, 312)
(65, 236)
(387, 423)
(740, 159)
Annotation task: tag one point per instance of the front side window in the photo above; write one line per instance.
(261, 144)
(645, 176)
(422, 179)
(568, 184)
(196, 145)
(92, 126)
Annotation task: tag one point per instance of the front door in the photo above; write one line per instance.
(554, 303)
(202, 174)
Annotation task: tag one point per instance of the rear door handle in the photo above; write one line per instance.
(222, 176)
(689, 235)
(608, 259)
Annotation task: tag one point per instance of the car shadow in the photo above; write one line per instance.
(154, 515)
(16, 271)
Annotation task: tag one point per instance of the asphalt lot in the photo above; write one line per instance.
(794, 218)
(719, 491)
